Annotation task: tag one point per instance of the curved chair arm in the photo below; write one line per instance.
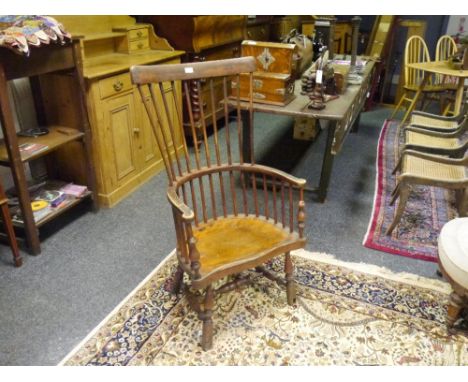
(298, 182)
(436, 158)
(433, 133)
(438, 117)
(186, 212)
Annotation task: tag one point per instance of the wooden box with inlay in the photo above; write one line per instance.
(273, 81)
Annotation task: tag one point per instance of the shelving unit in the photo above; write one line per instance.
(68, 151)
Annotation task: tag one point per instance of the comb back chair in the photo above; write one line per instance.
(415, 52)
(227, 221)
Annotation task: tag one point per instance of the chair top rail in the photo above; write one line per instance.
(145, 74)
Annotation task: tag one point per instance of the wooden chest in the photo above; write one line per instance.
(273, 80)
(272, 57)
(271, 88)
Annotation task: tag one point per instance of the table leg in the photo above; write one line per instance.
(327, 163)
(355, 127)
(459, 95)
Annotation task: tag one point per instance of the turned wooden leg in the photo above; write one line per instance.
(11, 235)
(290, 284)
(453, 311)
(205, 316)
(178, 280)
(404, 193)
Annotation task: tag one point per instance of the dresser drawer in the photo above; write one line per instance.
(136, 34)
(115, 85)
(136, 45)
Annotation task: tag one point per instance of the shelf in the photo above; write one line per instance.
(102, 36)
(68, 203)
(54, 139)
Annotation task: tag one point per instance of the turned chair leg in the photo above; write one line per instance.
(403, 193)
(205, 316)
(11, 235)
(453, 310)
(178, 280)
(290, 283)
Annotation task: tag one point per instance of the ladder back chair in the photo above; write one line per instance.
(231, 215)
(415, 52)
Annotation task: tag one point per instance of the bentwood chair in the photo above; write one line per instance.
(417, 168)
(227, 221)
(434, 122)
(415, 52)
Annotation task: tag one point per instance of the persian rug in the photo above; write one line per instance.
(346, 314)
(427, 209)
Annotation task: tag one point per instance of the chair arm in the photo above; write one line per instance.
(298, 182)
(432, 133)
(187, 214)
(436, 158)
(436, 116)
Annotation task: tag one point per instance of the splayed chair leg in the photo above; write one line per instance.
(453, 311)
(290, 283)
(404, 193)
(178, 280)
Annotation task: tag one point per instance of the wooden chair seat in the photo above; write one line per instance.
(413, 138)
(422, 120)
(235, 240)
(423, 168)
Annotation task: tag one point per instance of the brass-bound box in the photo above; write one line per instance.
(271, 88)
(271, 57)
(341, 77)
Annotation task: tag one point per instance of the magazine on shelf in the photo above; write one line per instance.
(50, 198)
(28, 149)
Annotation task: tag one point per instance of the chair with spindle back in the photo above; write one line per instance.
(445, 48)
(415, 52)
(231, 215)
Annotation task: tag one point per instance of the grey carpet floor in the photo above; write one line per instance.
(88, 266)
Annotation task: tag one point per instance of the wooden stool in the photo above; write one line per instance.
(453, 263)
(6, 217)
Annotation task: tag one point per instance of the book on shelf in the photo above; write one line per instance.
(28, 149)
(50, 198)
(75, 190)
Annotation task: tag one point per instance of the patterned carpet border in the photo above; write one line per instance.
(427, 210)
(346, 314)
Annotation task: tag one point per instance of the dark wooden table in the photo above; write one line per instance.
(339, 117)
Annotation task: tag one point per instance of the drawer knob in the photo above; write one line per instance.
(140, 45)
(139, 33)
(136, 131)
(118, 86)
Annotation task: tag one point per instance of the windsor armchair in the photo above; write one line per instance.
(445, 48)
(230, 214)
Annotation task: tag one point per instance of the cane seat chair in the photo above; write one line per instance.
(415, 52)
(231, 215)
(435, 122)
(418, 168)
(453, 143)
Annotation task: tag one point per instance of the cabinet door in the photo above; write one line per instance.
(147, 142)
(119, 120)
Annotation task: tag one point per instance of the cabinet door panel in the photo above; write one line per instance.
(119, 116)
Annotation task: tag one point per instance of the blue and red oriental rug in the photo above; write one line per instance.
(427, 210)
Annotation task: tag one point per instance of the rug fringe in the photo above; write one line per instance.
(409, 278)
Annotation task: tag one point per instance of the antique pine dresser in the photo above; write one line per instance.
(125, 153)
